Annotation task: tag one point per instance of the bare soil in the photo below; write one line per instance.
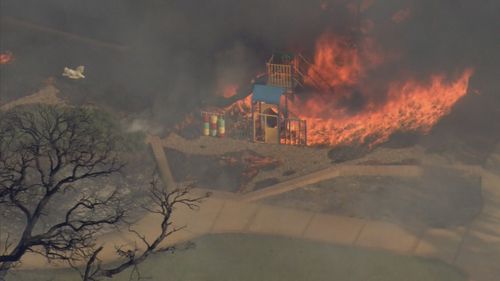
(200, 157)
(232, 171)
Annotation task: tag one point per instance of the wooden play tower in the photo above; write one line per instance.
(271, 120)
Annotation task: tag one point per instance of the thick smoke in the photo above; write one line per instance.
(179, 54)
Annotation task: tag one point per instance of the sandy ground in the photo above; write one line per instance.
(48, 94)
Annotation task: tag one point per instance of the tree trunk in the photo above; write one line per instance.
(4, 268)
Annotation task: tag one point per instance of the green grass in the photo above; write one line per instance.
(267, 258)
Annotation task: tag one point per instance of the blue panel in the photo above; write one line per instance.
(267, 94)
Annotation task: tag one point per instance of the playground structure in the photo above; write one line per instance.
(266, 117)
(271, 120)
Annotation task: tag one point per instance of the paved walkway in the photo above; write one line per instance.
(161, 160)
(474, 248)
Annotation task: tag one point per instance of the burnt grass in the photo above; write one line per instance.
(345, 153)
(440, 198)
(266, 183)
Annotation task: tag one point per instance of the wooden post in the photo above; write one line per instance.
(287, 131)
(278, 124)
(305, 132)
(253, 120)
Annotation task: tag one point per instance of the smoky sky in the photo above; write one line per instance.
(179, 53)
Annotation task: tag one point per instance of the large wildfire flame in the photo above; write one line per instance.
(339, 67)
(409, 105)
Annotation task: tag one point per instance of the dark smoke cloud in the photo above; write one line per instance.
(180, 52)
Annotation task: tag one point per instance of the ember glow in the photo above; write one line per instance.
(240, 108)
(411, 106)
(6, 58)
(230, 91)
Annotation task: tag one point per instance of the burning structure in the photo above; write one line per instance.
(312, 103)
(303, 103)
(346, 84)
(265, 111)
(272, 122)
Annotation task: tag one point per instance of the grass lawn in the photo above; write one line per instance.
(267, 258)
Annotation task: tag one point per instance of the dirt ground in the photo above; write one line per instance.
(205, 152)
(232, 171)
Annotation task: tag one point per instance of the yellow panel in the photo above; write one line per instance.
(271, 135)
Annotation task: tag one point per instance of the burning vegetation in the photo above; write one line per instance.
(338, 78)
(409, 105)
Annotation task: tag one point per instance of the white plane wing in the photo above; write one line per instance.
(74, 73)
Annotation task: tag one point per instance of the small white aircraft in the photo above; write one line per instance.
(74, 73)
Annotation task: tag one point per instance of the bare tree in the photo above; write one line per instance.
(163, 205)
(46, 152)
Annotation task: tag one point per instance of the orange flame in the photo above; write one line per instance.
(6, 58)
(337, 68)
(411, 106)
(241, 107)
(230, 91)
(335, 63)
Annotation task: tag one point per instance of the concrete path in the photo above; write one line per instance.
(161, 160)
(479, 251)
(474, 248)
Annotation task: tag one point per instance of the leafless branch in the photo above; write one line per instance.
(164, 204)
(43, 151)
